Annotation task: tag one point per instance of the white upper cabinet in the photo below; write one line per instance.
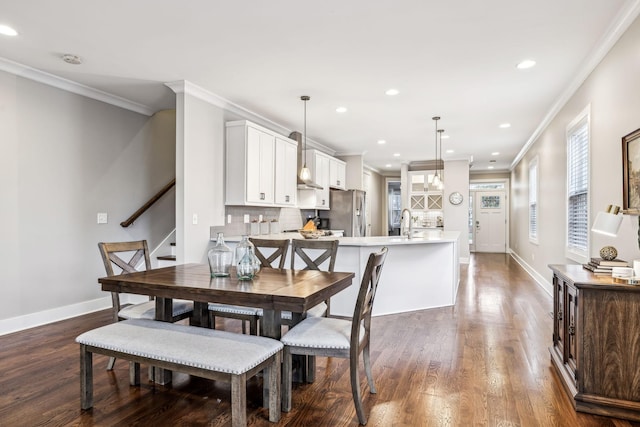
(319, 164)
(286, 169)
(337, 173)
(251, 166)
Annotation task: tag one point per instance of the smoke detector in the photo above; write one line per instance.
(71, 59)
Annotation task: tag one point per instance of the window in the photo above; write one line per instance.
(533, 200)
(578, 188)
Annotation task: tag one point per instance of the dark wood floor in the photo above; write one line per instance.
(483, 362)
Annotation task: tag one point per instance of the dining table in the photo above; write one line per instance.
(272, 290)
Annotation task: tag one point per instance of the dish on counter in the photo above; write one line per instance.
(314, 234)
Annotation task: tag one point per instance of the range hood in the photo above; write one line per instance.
(302, 184)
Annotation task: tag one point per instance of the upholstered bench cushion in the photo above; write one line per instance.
(147, 310)
(320, 332)
(202, 348)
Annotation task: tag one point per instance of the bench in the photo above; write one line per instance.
(207, 353)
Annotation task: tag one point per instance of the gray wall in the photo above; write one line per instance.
(64, 159)
(611, 91)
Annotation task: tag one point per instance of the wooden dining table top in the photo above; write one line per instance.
(271, 289)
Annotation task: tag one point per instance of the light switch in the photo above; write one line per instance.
(247, 220)
(103, 218)
(195, 219)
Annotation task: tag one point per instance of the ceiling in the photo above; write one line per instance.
(456, 59)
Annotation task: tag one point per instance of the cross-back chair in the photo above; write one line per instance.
(130, 257)
(333, 337)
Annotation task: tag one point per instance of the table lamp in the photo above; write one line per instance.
(608, 223)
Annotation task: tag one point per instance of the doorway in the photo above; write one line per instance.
(394, 207)
(488, 216)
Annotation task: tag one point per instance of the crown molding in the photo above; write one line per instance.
(71, 86)
(623, 20)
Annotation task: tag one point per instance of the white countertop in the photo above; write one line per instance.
(420, 238)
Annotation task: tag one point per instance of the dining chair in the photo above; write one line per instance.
(306, 251)
(250, 314)
(130, 257)
(333, 337)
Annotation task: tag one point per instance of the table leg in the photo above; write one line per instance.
(164, 313)
(201, 315)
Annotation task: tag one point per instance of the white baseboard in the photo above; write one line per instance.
(542, 281)
(31, 320)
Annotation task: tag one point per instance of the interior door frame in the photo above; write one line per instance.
(385, 211)
(507, 203)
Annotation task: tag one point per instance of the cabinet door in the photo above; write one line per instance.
(559, 315)
(321, 170)
(337, 173)
(260, 166)
(571, 331)
(286, 172)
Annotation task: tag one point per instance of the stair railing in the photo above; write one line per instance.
(149, 203)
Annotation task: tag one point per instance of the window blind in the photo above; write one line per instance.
(533, 200)
(578, 187)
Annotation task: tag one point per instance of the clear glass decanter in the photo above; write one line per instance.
(220, 258)
(247, 263)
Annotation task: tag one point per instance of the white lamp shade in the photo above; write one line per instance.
(305, 173)
(607, 223)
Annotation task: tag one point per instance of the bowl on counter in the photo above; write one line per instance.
(312, 234)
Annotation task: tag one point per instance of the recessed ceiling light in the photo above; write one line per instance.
(388, 165)
(490, 167)
(495, 153)
(445, 137)
(396, 154)
(450, 151)
(341, 110)
(505, 125)
(392, 92)
(7, 31)
(527, 63)
(72, 59)
(382, 141)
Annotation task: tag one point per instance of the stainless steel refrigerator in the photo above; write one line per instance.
(347, 212)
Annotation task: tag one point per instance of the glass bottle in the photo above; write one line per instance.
(243, 246)
(247, 263)
(220, 258)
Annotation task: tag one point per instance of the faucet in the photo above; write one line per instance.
(402, 231)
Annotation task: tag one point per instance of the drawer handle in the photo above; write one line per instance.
(286, 199)
(261, 196)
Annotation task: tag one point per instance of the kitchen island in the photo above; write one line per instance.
(419, 273)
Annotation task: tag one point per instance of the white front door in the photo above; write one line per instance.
(490, 223)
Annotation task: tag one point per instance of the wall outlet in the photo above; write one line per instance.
(103, 218)
(228, 219)
(247, 220)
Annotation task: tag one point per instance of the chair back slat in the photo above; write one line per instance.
(281, 247)
(366, 297)
(301, 249)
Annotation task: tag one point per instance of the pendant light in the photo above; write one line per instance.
(305, 173)
(441, 184)
(436, 178)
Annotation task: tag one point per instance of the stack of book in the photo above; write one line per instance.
(604, 267)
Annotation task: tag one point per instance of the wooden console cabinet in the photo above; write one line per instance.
(596, 341)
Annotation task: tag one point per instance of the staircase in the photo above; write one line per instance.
(167, 260)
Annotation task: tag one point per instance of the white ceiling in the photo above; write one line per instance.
(455, 59)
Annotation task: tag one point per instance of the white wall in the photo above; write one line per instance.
(64, 159)
(199, 174)
(610, 91)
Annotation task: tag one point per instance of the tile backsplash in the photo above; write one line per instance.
(288, 219)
